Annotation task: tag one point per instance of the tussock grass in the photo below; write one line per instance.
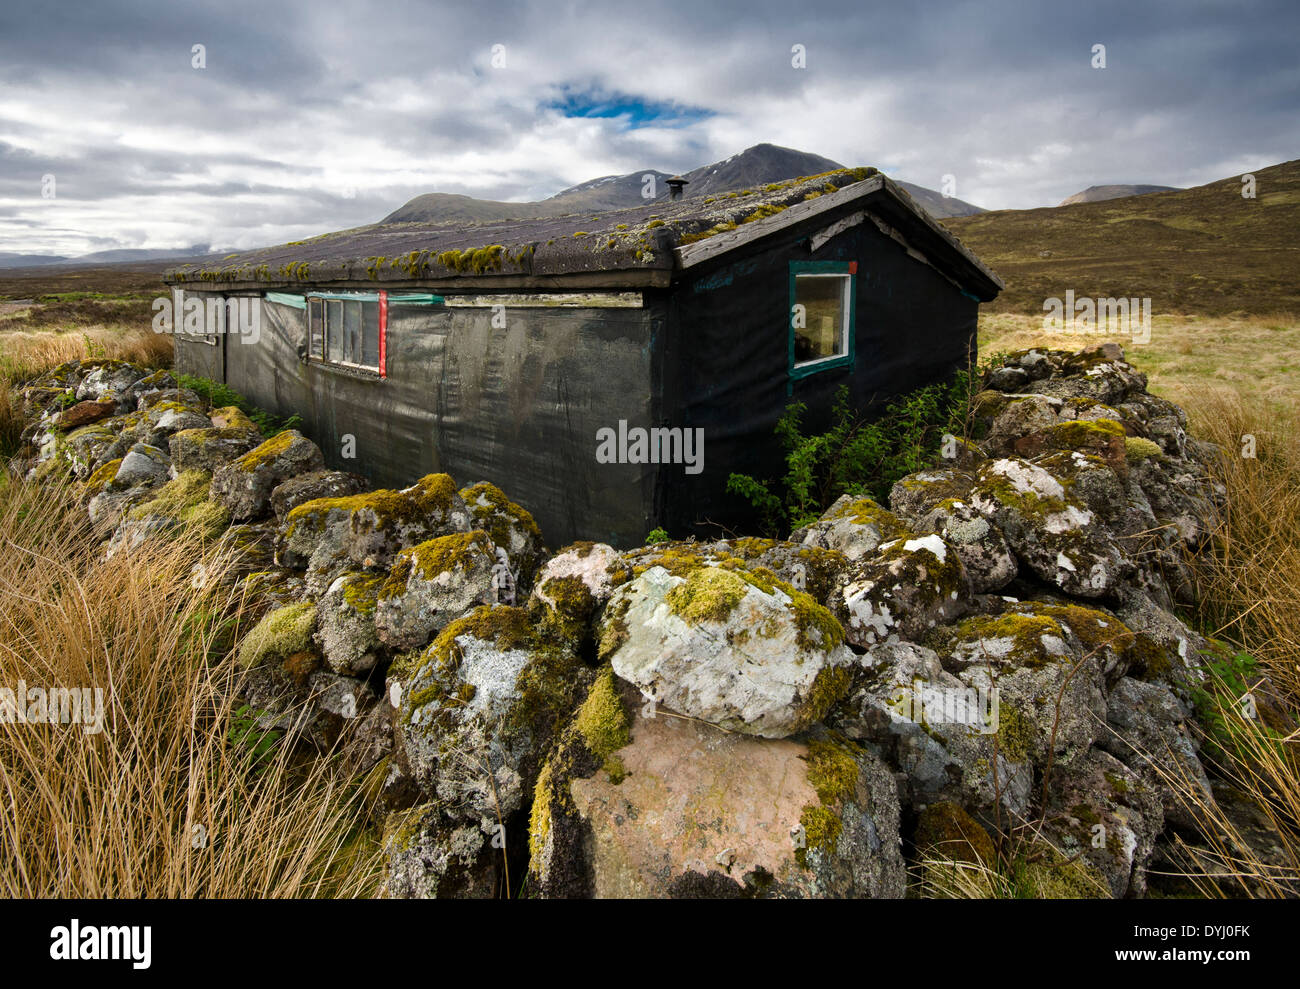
(166, 801)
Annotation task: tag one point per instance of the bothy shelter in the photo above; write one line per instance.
(608, 371)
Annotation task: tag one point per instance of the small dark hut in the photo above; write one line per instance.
(608, 371)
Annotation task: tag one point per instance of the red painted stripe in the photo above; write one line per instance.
(383, 333)
(853, 267)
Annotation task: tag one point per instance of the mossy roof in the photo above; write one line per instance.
(647, 243)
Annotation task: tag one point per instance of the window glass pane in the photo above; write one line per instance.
(334, 329)
(822, 298)
(352, 332)
(370, 334)
(316, 327)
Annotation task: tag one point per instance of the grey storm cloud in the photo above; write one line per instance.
(309, 117)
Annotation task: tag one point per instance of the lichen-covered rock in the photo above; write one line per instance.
(913, 497)
(209, 449)
(511, 528)
(303, 488)
(433, 583)
(1051, 533)
(1149, 735)
(478, 710)
(428, 857)
(345, 629)
(979, 544)
(821, 572)
(637, 804)
(143, 466)
(138, 394)
(1101, 810)
(910, 585)
(244, 485)
(852, 526)
(85, 449)
(147, 398)
(1051, 687)
(734, 647)
(943, 735)
(109, 378)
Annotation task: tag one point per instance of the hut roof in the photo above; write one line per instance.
(638, 247)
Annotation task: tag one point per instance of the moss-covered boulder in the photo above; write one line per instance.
(368, 530)
(280, 634)
(1050, 531)
(511, 528)
(853, 526)
(212, 448)
(433, 583)
(732, 646)
(909, 585)
(182, 501)
(945, 831)
(634, 803)
(303, 488)
(477, 711)
(244, 485)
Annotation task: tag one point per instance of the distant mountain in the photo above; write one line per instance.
(1100, 193)
(9, 259)
(759, 165)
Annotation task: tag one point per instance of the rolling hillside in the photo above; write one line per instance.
(1201, 250)
(1100, 193)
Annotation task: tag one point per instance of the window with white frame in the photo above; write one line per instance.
(345, 331)
(821, 316)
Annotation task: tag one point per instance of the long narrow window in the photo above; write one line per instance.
(351, 329)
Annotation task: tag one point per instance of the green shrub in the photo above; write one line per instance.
(218, 395)
(856, 455)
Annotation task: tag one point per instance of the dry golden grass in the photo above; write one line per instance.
(1255, 356)
(164, 802)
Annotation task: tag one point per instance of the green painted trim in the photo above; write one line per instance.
(830, 363)
(417, 299)
(285, 299)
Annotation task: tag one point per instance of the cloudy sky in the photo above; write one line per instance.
(309, 117)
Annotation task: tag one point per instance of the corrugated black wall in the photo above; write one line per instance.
(519, 406)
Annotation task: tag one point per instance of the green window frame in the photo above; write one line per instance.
(845, 272)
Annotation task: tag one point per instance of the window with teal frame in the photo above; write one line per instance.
(821, 318)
